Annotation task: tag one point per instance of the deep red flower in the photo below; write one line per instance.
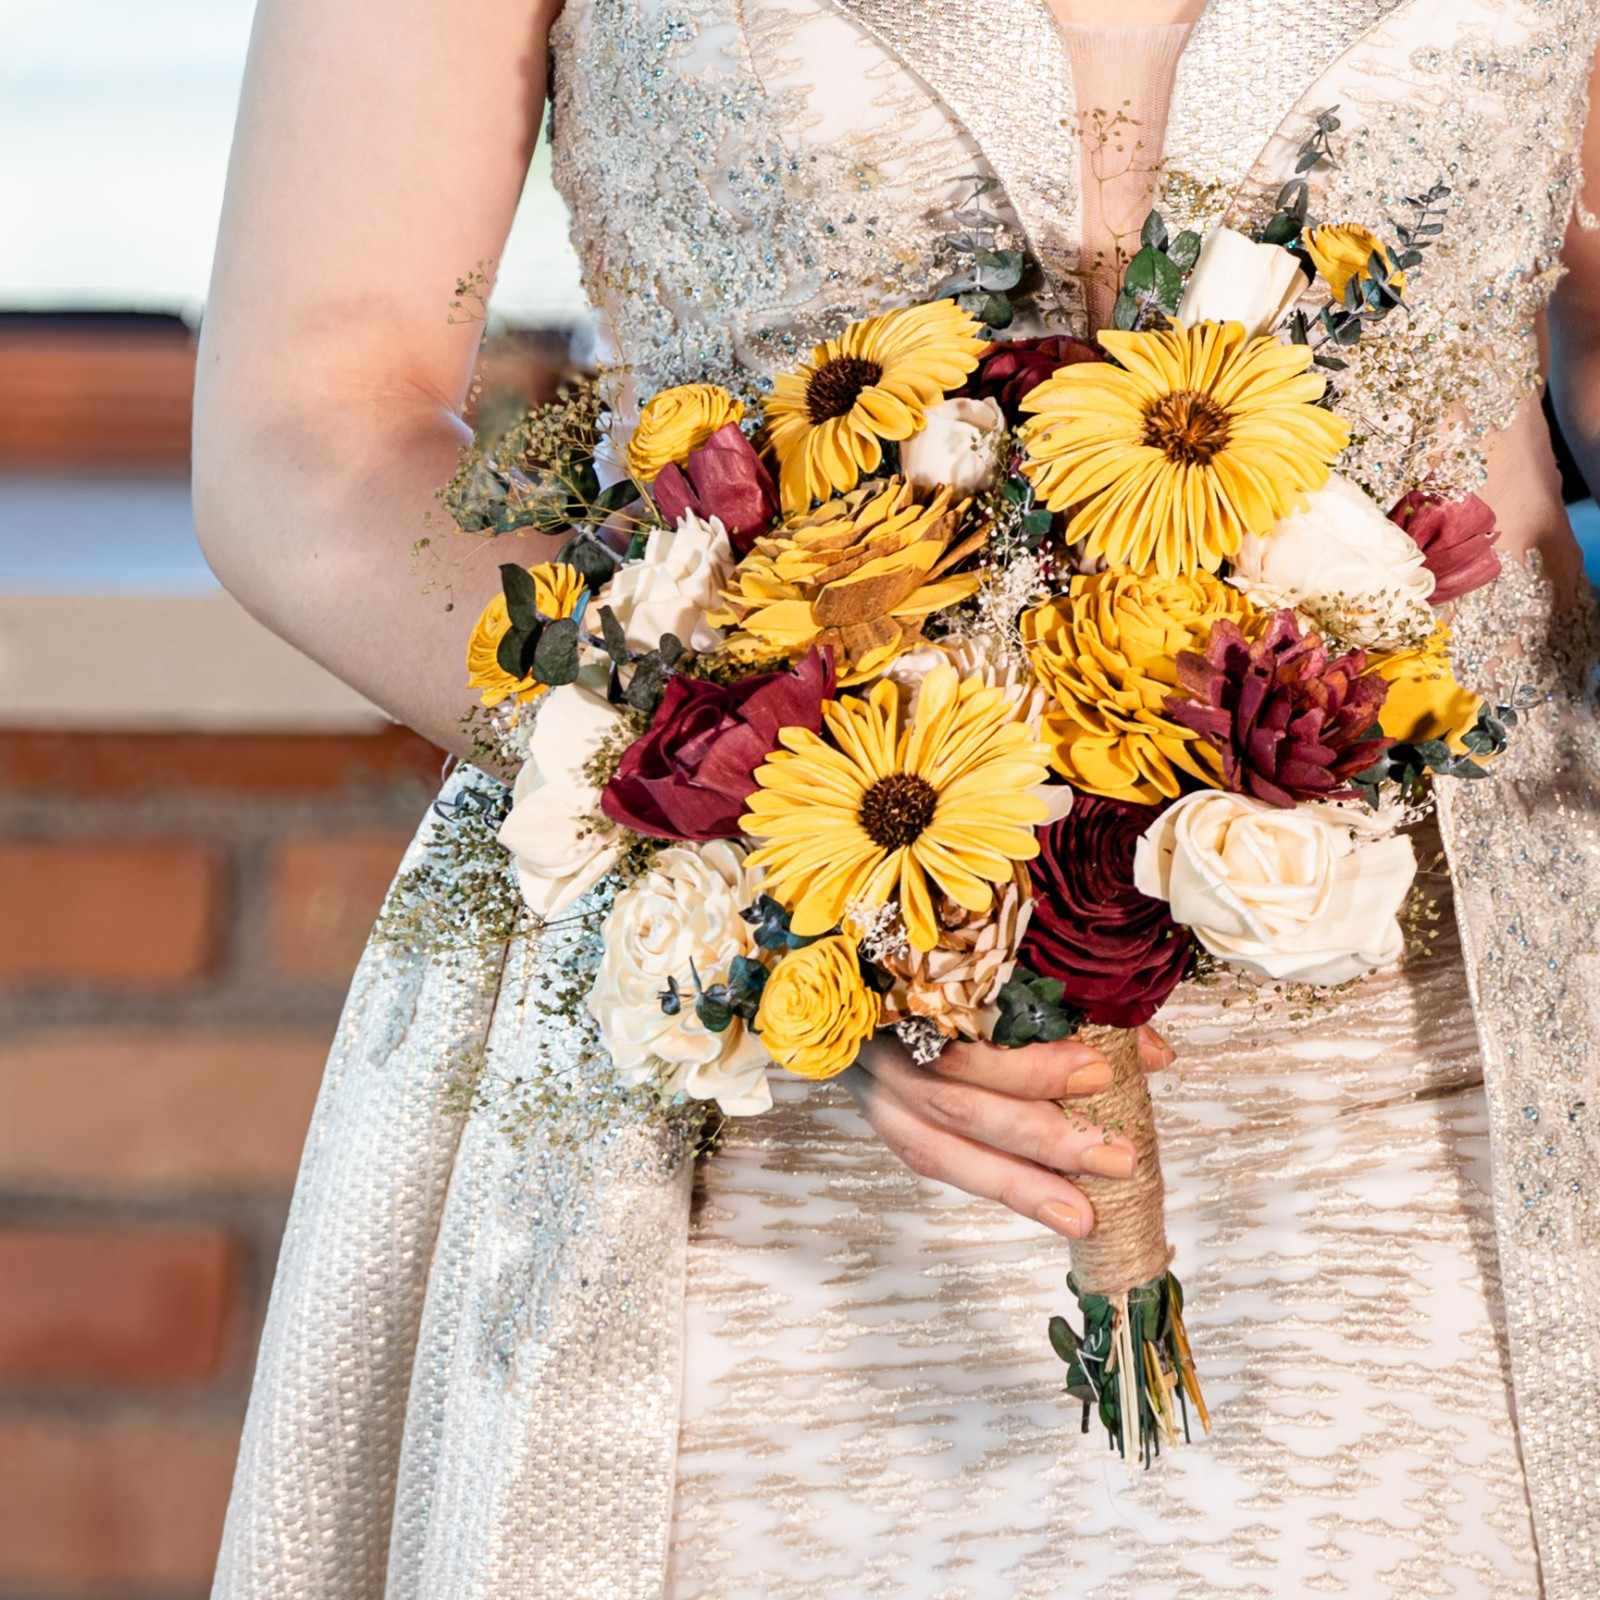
(1291, 723)
(1456, 538)
(1117, 953)
(1009, 369)
(724, 478)
(689, 775)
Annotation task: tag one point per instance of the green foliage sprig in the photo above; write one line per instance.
(1152, 285)
(990, 272)
(1033, 1010)
(1409, 766)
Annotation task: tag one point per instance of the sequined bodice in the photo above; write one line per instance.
(745, 174)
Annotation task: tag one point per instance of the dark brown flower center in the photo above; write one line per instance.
(835, 386)
(896, 809)
(1188, 428)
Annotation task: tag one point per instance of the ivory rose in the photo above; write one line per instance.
(561, 845)
(1237, 280)
(681, 918)
(672, 586)
(1344, 566)
(959, 445)
(1306, 895)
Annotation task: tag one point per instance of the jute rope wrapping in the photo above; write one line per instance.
(1129, 1244)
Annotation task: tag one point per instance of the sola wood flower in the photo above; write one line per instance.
(1456, 538)
(722, 478)
(874, 382)
(1290, 723)
(1195, 438)
(954, 985)
(859, 575)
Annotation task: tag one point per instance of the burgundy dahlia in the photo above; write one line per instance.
(1456, 538)
(1011, 368)
(688, 777)
(1117, 953)
(724, 478)
(1291, 723)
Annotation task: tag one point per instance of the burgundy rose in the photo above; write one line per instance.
(1456, 538)
(724, 478)
(1011, 368)
(1117, 953)
(688, 777)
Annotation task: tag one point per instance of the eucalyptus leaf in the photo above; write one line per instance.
(1154, 232)
(522, 595)
(1184, 251)
(1125, 313)
(555, 657)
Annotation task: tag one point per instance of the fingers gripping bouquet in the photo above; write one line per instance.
(988, 690)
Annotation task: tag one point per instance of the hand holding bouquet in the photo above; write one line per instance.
(986, 690)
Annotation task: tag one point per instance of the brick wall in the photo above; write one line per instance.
(178, 917)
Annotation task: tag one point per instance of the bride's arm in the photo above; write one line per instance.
(380, 149)
(1574, 319)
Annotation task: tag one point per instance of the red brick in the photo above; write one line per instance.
(325, 893)
(124, 1305)
(117, 1109)
(95, 1505)
(38, 761)
(141, 914)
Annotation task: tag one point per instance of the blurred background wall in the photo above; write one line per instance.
(196, 824)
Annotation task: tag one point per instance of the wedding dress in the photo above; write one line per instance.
(556, 1356)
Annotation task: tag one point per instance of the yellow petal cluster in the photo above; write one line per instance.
(815, 1012)
(1424, 700)
(677, 422)
(884, 805)
(1105, 652)
(860, 574)
(1340, 251)
(559, 588)
(1196, 437)
(874, 382)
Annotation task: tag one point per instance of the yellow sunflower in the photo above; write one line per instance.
(874, 382)
(860, 575)
(559, 587)
(1199, 436)
(883, 806)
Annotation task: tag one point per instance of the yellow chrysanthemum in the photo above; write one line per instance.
(1105, 652)
(859, 574)
(874, 382)
(882, 806)
(677, 422)
(1342, 250)
(1424, 700)
(559, 588)
(1199, 436)
(816, 1012)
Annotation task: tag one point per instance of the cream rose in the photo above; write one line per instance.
(682, 917)
(959, 445)
(672, 586)
(1237, 280)
(1310, 894)
(561, 844)
(1344, 566)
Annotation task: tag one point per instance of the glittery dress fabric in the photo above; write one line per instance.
(523, 1344)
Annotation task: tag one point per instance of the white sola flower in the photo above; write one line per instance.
(1237, 280)
(1344, 567)
(680, 919)
(672, 586)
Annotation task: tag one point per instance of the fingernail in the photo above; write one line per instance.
(1090, 1079)
(1106, 1161)
(1065, 1219)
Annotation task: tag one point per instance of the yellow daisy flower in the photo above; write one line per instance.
(1199, 436)
(559, 588)
(883, 806)
(860, 575)
(874, 382)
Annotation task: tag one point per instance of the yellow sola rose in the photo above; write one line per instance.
(1106, 654)
(677, 422)
(1342, 250)
(1424, 700)
(815, 1012)
(559, 587)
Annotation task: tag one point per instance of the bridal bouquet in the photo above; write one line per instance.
(988, 689)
